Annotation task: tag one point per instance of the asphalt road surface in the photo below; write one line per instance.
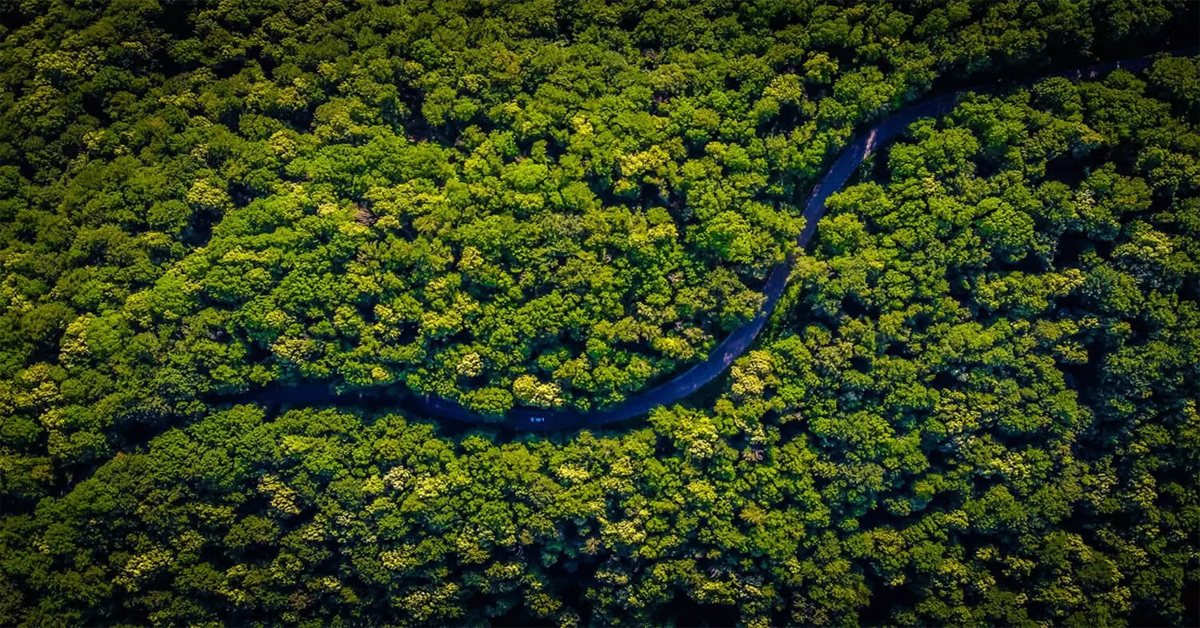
(737, 342)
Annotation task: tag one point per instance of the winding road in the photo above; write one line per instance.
(859, 148)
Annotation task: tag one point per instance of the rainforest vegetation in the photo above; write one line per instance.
(975, 404)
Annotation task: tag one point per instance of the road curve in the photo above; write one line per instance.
(859, 148)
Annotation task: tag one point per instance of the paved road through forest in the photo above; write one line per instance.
(723, 355)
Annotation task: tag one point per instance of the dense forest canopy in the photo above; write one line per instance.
(976, 403)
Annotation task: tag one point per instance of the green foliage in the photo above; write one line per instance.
(1004, 367)
(976, 404)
